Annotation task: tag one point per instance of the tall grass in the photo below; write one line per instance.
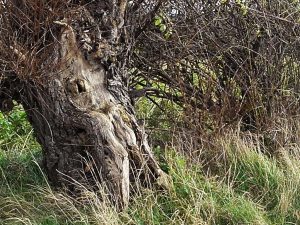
(273, 183)
(250, 188)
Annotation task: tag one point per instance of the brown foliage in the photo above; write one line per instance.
(223, 62)
(226, 63)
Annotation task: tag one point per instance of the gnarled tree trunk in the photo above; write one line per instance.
(80, 109)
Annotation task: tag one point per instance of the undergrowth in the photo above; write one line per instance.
(251, 187)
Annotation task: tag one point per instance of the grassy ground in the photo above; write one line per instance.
(250, 188)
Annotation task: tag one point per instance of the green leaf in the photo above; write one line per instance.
(162, 27)
(157, 21)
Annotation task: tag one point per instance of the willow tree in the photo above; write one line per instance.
(66, 62)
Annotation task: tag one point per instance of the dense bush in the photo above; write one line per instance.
(226, 63)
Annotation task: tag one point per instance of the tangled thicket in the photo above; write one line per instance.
(224, 62)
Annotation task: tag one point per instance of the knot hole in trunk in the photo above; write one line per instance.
(76, 86)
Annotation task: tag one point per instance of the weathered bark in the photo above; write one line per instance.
(80, 109)
(88, 134)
